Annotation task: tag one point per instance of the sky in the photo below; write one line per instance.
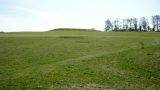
(43, 15)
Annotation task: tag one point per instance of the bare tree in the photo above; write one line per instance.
(132, 24)
(144, 23)
(129, 22)
(108, 25)
(116, 24)
(135, 23)
(125, 24)
(140, 28)
(156, 22)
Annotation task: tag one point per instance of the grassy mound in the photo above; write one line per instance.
(72, 29)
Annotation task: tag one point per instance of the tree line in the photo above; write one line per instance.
(133, 24)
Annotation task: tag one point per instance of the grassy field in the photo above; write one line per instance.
(80, 60)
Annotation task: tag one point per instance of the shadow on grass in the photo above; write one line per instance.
(72, 37)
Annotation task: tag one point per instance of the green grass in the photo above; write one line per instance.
(83, 60)
(73, 29)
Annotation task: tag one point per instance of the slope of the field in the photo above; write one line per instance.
(80, 60)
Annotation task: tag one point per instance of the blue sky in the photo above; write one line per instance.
(42, 15)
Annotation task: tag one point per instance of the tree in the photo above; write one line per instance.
(140, 28)
(132, 23)
(148, 28)
(108, 25)
(156, 22)
(144, 23)
(125, 24)
(135, 22)
(129, 23)
(116, 24)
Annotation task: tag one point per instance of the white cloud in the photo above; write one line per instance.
(49, 16)
(9, 23)
(38, 20)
